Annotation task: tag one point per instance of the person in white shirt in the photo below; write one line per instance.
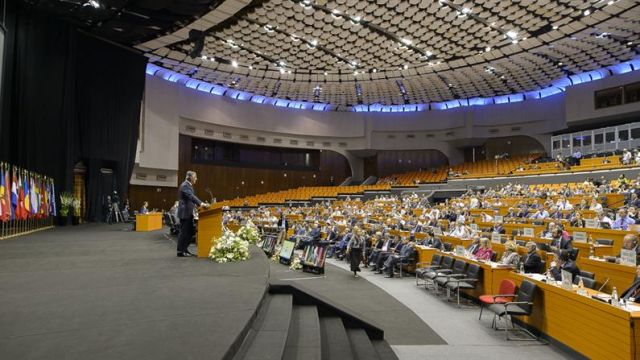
(603, 218)
(626, 157)
(460, 231)
(637, 157)
(595, 205)
(563, 204)
(474, 203)
(486, 217)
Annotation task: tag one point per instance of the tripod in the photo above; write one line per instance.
(114, 214)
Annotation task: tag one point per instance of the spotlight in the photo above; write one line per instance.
(587, 12)
(234, 63)
(93, 3)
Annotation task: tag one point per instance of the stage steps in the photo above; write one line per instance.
(289, 328)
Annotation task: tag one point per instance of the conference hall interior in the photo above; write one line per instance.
(319, 179)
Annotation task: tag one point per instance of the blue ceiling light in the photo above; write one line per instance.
(558, 86)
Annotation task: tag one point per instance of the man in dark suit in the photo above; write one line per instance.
(564, 262)
(634, 290)
(532, 260)
(187, 202)
(559, 242)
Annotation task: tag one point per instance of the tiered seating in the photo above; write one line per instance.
(302, 193)
(490, 168)
(416, 177)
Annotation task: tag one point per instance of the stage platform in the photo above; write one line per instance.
(99, 292)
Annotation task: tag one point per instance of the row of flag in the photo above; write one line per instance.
(25, 194)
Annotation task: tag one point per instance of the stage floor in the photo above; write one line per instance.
(99, 292)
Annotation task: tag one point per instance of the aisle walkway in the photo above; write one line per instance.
(465, 336)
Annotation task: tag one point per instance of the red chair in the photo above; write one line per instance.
(506, 294)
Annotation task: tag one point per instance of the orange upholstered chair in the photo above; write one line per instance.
(505, 294)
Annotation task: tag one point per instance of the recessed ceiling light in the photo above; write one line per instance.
(250, 67)
(405, 66)
(406, 41)
(428, 53)
(611, 2)
(630, 43)
(466, 10)
(234, 63)
(587, 12)
(555, 27)
(514, 41)
(488, 48)
(560, 63)
(374, 70)
(204, 57)
(281, 71)
(325, 73)
(355, 19)
(512, 34)
(288, 71)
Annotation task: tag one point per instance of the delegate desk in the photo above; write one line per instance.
(593, 328)
(149, 222)
(620, 276)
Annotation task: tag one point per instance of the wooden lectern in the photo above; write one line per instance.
(209, 227)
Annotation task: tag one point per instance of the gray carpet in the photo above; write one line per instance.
(400, 324)
(98, 292)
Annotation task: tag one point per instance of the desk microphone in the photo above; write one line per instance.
(603, 284)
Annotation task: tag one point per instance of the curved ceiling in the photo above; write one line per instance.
(349, 52)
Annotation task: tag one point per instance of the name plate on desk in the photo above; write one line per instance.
(498, 218)
(460, 251)
(591, 223)
(495, 237)
(580, 236)
(528, 232)
(628, 257)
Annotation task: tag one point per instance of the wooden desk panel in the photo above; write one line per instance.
(620, 276)
(149, 222)
(593, 328)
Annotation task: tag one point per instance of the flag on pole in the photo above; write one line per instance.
(2, 190)
(53, 211)
(14, 195)
(27, 196)
(21, 211)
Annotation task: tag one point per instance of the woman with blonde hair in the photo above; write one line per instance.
(510, 255)
(485, 252)
(355, 249)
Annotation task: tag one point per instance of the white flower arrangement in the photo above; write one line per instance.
(276, 254)
(249, 232)
(66, 203)
(229, 247)
(295, 263)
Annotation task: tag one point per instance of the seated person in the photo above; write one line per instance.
(630, 242)
(460, 231)
(432, 241)
(498, 228)
(475, 245)
(340, 246)
(144, 209)
(559, 242)
(532, 260)
(392, 260)
(510, 255)
(383, 255)
(623, 221)
(563, 262)
(633, 292)
(382, 246)
(577, 220)
(485, 252)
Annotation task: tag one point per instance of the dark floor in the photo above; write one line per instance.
(400, 324)
(98, 292)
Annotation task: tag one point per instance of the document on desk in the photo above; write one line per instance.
(538, 277)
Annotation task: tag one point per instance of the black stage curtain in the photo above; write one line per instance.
(69, 97)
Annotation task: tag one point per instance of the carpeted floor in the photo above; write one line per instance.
(98, 292)
(400, 324)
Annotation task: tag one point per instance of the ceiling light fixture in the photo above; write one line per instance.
(555, 27)
(512, 34)
(406, 41)
(587, 12)
(356, 19)
(93, 3)
(234, 63)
